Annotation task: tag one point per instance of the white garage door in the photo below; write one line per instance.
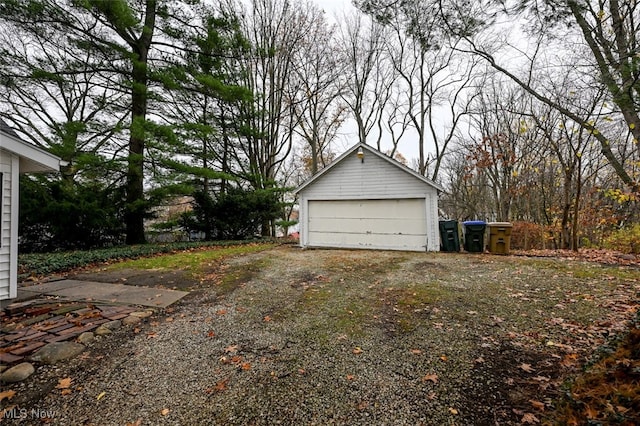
(399, 224)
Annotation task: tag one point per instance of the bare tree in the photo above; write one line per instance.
(369, 77)
(608, 29)
(317, 90)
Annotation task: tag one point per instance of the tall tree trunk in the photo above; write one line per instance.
(136, 206)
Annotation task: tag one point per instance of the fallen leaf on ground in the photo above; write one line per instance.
(526, 367)
(64, 383)
(537, 404)
(211, 333)
(357, 350)
(416, 351)
(350, 377)
(231, 349)
(246, 366)
(430, 377)
(136, 423)
(529, 418)
(221, 312)
(100, 396)
(8, 394)
(165, 411)
(267, 318)
(221, 385)
(453, 411)
(152, 335)
(590, 412)
(444, 358)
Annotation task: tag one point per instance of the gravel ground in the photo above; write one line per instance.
(315, 337)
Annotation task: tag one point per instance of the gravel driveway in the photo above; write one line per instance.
(291, 336)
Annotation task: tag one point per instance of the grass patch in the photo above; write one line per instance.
(234, 278)
(195, 261)
(38, 264)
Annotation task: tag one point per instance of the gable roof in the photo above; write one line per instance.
(32, 158)
(375, 152)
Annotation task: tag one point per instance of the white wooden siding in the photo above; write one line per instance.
(397, 224)
(5, 225)
(373, 178)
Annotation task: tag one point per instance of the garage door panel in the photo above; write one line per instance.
(390, 224)
(403, 242)
(379, 226)
(368, 209)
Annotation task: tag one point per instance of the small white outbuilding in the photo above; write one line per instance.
(366, 199)
(16, 156)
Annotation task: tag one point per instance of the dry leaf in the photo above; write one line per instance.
(444, 358)
(8, 394)
(416, 351)
(231, 349)
(430, 377)
(529, 418)
(165, 411)
(246, 366)
(136, 423)
(453, 411)
(64, 383)
(267, 318)
(357, 350)
(590, 412)
(211, 333)
(537, 404)
(66, 392)
(221, 385)
(350, 377)
(479, 360)
(221, 312)
(100, 396)
(152, 335)
(526, 367)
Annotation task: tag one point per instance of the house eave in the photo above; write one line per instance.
(32, 158)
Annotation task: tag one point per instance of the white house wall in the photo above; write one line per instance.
(8, 168)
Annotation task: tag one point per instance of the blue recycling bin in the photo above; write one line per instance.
(474, 235)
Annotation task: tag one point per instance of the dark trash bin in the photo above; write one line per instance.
(474, 235)
(449, 239)
(500, 237)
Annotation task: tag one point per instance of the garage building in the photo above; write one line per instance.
(365, 199)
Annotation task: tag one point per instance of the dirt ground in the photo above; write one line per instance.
(295, 336)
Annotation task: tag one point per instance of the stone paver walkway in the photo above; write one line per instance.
(27, 326)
